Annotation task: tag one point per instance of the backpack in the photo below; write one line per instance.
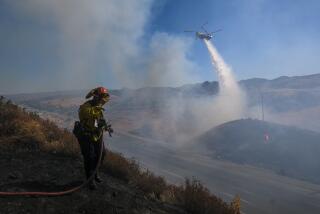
(77, 130)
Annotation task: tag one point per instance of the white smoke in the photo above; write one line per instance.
(167, 63)
(103, 42)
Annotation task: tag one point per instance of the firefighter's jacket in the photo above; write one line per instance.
(89, 116)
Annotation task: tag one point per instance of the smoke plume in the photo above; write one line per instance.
(104, 43)
(187, 115)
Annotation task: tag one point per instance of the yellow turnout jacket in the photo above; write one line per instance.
(89, 116)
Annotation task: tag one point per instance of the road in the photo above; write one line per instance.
(261, 191)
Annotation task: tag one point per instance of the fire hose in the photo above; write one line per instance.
(59, 193)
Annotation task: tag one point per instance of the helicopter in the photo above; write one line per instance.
(203, 35)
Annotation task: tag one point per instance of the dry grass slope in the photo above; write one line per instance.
(26, 130)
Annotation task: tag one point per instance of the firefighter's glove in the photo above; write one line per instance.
(109, 129)
(102, 124)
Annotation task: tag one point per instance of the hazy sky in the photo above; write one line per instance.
(72, 44)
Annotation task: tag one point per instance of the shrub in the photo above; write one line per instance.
(118, 166)
(129, 171)
(196, 199)
(151, 184)
(236, 204)
(17, 123)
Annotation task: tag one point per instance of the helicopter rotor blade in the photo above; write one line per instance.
(189, 31)
(204, 30)
(216, 31)
(202, 27)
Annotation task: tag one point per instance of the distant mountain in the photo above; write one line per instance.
(282, 88)
(287, 100)
(295, 82)
(280, 95)
(287, 150)
(285, 93)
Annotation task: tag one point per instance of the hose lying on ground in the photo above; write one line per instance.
(59, 193)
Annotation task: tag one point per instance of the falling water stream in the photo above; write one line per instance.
(230, 93)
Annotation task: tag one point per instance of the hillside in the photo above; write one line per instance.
(287, 150)
(39, 156)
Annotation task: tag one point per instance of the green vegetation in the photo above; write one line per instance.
(21, 130)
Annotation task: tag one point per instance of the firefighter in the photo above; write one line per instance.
(93, 124)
